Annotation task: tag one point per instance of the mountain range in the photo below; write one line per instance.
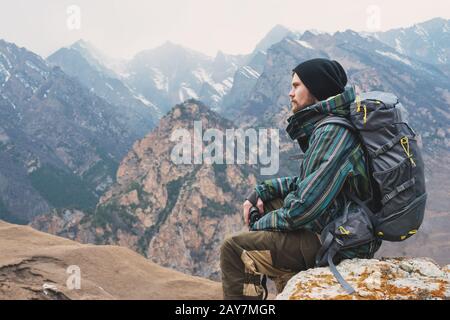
(60, 143)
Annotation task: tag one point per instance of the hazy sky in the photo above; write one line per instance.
(122, 28)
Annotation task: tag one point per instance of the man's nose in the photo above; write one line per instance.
(291, 93)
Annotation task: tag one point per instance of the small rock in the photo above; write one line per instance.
(47, 286)
(425, 267)
(373, 282)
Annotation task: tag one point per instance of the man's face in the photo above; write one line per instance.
(300, 96)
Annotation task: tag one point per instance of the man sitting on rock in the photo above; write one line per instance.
(285, 240)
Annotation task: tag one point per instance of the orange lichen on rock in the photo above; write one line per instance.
(396, 279)
(440, 292)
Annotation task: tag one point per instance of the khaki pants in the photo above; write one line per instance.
(245, 257)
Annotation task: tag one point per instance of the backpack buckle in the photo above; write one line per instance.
(343, 231)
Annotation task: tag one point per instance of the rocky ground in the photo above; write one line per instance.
(386, 279)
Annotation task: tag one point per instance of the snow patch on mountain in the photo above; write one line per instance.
(25, 83)
(216, 98)
(185, 92)
(5, 65)
(109, 86)
(5, 58)
(5, 73)
(249, 72)
(315, 32)
(394, 57)
(160, 80)
(304, 44)
(420, 31)
(149, 104)
(446, 27)
(222, 88)
(203, 76)
(144, 101)
(442, 59)
(398, 46)
(7, 99)
(43, 73)
(228, 82)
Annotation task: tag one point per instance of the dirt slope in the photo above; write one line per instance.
(34, 265)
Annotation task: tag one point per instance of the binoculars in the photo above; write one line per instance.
(254, 215)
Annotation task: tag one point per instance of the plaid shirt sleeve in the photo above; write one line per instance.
(276, 188)
(326, 167)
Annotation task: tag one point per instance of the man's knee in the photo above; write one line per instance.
(227, 249)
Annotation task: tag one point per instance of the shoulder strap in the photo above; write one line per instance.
(336, 120)
(326, 253)
(347, 124)
(347, 287)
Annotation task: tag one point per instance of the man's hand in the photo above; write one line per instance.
(247, 205)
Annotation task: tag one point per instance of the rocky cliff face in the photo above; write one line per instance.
(182, 212)
(387, 279)
(175, 214)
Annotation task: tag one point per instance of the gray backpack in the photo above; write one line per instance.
(397, 206)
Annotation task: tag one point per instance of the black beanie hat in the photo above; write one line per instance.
(324, 78)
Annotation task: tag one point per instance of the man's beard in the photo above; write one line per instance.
(295, 107)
